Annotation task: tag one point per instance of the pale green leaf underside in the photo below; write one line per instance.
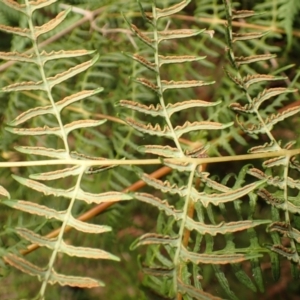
(267, 147)
(164, 186)
(169, 109)
(166, 85)
(170, 152)
(70, 193)
(72, 171)
(240, 14)
(275, 181)
(51, 81)
(60, 105)
(178, 59)
(164, 151)
(205, 125)
(158, 239)
(24, 32)
(70, 250)
(179, 130)
(249, 80)
(144, 38)
(162, 205)
(270, 121)
(177, 34)
(212, 183)
(49, 152)
(217, 259)
(56, 130)
(279, 202)
(225, 197)
(223, 227)
(43, 56)
(205, 199)
(276, 161)
(38, 30)
(143, 61)
(29, 268)
(179, 166)
(258, 78)
(286, 230)
(247, 36)
(53, 23)
(269, 93)
(289, 253)
(23, 8)
(253, 58)
(41, 210)
(4, 192)
(261, 97)
(161, 13)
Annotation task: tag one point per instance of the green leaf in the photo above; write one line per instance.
(241, 14)
(161, 205)
(278, 202)
(231, 195)
(258, 78)
(165, 151)
(162, 60)
(170, 108)
(145, 82)
(143, 61)
(59, 106)
(276, 161)
(70, 250)
(166, 85)
(289, 253)
(39, 30)
(286, 230)
(205, 125)
(43, 57)
(23, 8)
(267, 147)
(29, 268)
(41, 210)
(247, 36)
(269, 93)
(144, 38)
(161, 13)
(56, 130)
(72, 171)
(253, 58)
(223, 228)
(165, 186)
(177, 34)
(70, 193)
(153, 239)
(217, 259)
(51, 81)
(53, 153)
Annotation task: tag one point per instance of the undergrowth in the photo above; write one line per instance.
(149, 149)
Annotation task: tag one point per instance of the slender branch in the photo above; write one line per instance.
(155, 161)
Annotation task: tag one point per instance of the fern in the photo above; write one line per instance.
(65, 155)
(166, 112)
(175, 268)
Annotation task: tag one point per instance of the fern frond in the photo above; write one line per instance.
(52, 112)
(258, 124)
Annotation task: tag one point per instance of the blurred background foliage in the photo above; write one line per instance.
(109, 35)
